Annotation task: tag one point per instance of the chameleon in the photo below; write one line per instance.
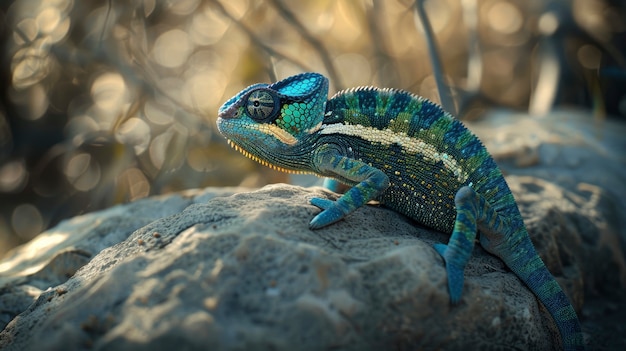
(405, 152)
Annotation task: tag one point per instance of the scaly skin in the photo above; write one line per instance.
(405, 152)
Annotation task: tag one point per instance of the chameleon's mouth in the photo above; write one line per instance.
(226, 126)
(260, 160)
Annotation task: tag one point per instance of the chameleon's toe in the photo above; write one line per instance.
(455, 275)
(331, 213)
(324, 204)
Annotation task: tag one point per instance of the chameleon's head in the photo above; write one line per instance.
(266, 119)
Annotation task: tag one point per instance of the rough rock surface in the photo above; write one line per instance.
(232, 269)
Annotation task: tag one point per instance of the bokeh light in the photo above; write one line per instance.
(504, 17)
(26, 221)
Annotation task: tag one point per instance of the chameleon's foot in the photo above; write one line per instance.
(455, 274)
(331, 213)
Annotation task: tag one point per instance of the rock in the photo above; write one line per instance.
(245, 272)
(234, 269)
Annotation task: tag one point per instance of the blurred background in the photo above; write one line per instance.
(105, 102)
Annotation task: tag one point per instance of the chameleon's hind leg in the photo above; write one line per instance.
(472, 212)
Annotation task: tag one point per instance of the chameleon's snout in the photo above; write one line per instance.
(229, 112)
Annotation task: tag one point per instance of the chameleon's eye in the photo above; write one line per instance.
(263, 105)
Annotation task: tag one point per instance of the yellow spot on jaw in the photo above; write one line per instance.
(230, 125)
(277, 132)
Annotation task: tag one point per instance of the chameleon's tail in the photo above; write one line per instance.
(524, 261)
(508, 240)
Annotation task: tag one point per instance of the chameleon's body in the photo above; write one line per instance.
(408, 154)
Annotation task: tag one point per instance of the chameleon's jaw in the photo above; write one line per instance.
(260, 160)
(263, 140)
(248, 155)
(240, 128)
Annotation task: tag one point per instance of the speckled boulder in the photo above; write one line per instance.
(232, 269)
(245, 272)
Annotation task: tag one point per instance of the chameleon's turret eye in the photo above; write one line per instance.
(263, 105)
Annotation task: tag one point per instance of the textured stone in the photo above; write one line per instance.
(231, 269)
(244, 272)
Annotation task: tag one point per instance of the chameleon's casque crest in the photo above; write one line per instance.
(295, 104)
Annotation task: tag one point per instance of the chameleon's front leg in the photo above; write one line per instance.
(371, 182)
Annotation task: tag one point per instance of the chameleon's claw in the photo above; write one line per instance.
(455, 275)
(331, 213)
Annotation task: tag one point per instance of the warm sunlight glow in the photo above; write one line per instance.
(24, 256)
